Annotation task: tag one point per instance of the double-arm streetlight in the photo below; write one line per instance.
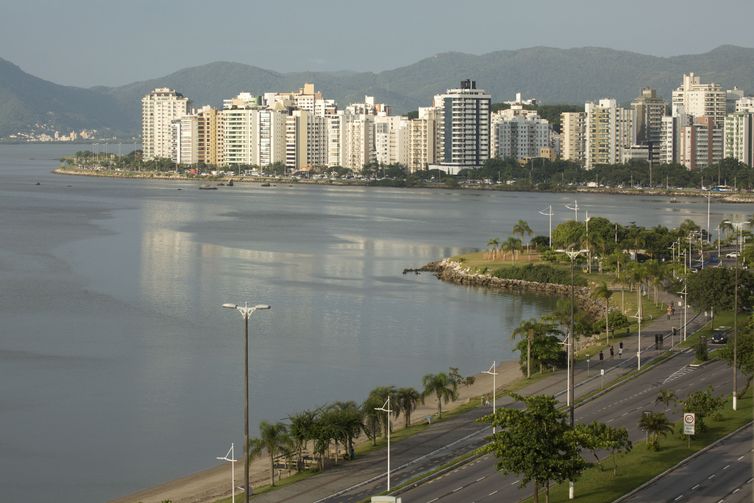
(493, 372)
(230, 458)
(572, 254)
(738, 226)
(246, 311)
(386, 408)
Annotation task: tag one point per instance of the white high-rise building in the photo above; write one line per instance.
(745, 104)
(240, 125)
(608, 132)
(463, 128)
(573, 136)
(519, 136)
(699, 100)
(271, 132)
(391, 139)
(357, 141)
(739, 137)
(333, 133)
(158, 111)
(185, 140)
(306, 99)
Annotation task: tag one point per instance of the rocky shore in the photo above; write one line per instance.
(455, 272)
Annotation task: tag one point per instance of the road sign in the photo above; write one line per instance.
(689, 421)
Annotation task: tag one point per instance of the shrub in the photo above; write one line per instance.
(538, 273)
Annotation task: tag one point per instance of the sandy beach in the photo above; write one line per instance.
(214, 483)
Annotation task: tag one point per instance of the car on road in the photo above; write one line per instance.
(731, 255)
(720, 335)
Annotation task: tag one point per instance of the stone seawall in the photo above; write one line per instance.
(455, 272)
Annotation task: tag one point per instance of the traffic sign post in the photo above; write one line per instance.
(689, 423)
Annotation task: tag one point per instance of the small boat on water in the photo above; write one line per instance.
(674, 200)
(207, 187)
(266, 184)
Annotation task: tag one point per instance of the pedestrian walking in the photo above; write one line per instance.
(620, 352)
(612, 352)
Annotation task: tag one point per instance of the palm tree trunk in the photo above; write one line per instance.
(272, 468)
(528, 357)
(607, 326)
(536, 491)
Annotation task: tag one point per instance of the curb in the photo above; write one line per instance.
(682, 462)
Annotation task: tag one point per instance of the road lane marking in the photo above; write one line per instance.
(678, 497)
(481, 478)
(695, 487)
(493, 493)
(457, 489)
(711, 477)
(740, 458)
(726, 467)
(514, 483)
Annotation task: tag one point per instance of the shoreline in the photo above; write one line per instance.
(211, 484)
(724, 197)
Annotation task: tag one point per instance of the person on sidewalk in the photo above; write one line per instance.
(612, 353)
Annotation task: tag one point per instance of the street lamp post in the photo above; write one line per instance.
(709, 198)
(549, 214)
(684, 292)
(738, 227)
(572, 254)
(230, 458)
(386, 408)
(638, 340)
(575, 209)
(493, 372)
(246, 311)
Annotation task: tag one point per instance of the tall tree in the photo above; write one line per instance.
(600, 436)
(527, 329)
(273, 438)
(536, 443)
(441, 386)
(301, 432)
(406, 400)
(666, 397)
(522, 227)
(602, 291)
(744, 355)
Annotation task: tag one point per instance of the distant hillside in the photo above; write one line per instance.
(27, 102)
(554, 76)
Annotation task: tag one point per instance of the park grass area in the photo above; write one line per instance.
(597, 484)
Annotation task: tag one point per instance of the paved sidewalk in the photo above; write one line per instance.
(461, 432)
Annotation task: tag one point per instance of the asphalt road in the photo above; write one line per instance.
(721, 474)
(479, 480)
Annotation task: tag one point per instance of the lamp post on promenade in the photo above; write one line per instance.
(493, 373)
(230, 458)
(386, 408)
(739, 228)
(246, 311)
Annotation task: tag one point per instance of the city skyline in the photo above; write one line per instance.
(116, 44)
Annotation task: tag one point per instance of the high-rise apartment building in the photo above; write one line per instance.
(185, 143)
(739, 137)
(608, 132)
(649, 110)
(573, 136)
(391, 139)
(463, 128)
(519, 136)
(158, 111)
(209, 136)
(357, 141)
(700, 143)
(239, 124)
(306, 99)
(699, 100)
(306, 140)
(422, 135)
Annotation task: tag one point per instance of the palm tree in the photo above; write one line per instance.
(493, 244)
(666, 397)
(441, 386)
(273, 438)
(521, 228)
(406, 400)
(301, 432)
(348, 423)
(380, 394)
(512, 245)
(602, 291)
(656, 424)
(527, 328)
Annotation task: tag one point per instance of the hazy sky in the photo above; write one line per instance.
(106, 42)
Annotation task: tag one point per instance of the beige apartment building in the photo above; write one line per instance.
(573, 136)
(699, 100)
(158, 111)
(608, 130)
(422, 133)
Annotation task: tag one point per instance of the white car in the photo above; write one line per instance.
(731, 255)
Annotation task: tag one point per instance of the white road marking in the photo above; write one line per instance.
(740, 458)
(516, 482)
(679, 497)
(711, 477)
(432, 500)
(481, 478)
(695, 487)
(726, 467)
(493, 493)
(457, 489)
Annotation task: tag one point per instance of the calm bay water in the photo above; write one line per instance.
(121, 371)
